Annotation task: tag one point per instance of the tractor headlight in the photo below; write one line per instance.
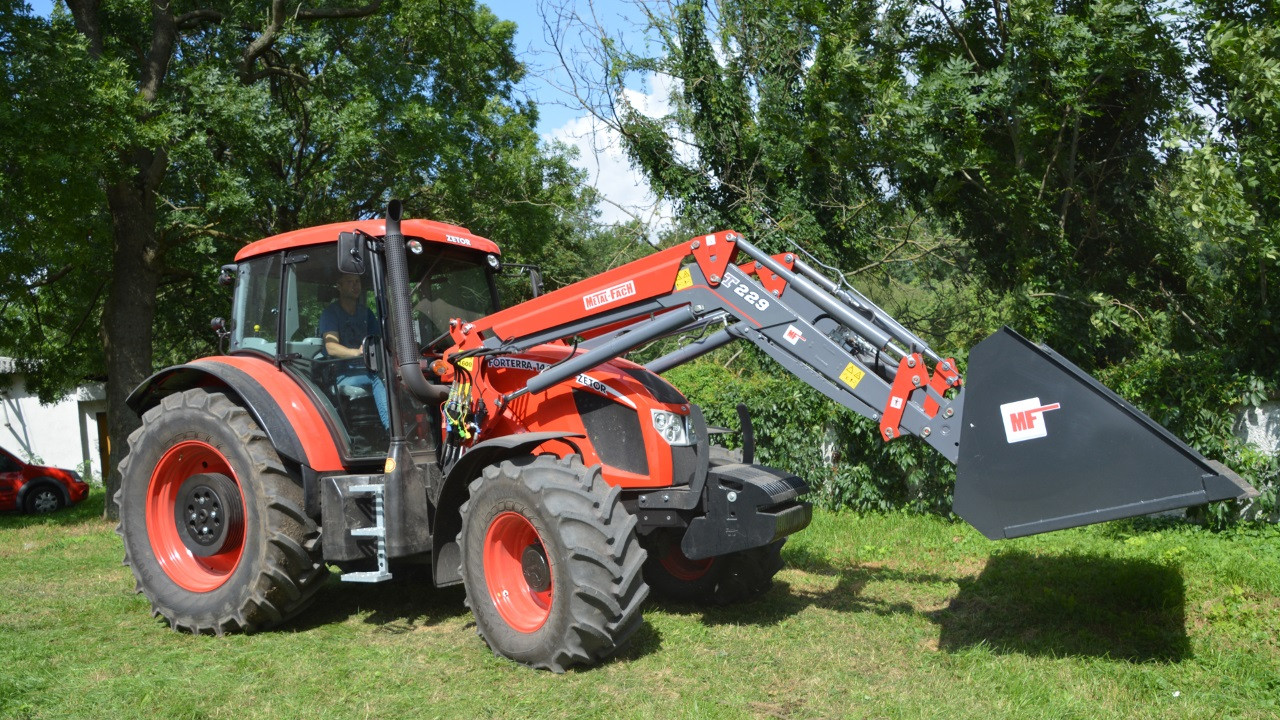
(675, 429)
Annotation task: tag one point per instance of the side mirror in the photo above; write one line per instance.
(535, 280)
(350, 253)
(535, 275)
(227, 275)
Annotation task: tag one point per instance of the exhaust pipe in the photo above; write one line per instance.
(398, 293)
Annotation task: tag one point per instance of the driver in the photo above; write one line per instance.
(344, 325)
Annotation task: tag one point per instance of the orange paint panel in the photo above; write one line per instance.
(428, 230)
(308, 423)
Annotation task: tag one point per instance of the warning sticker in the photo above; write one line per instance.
(684, 279)
(852, 375)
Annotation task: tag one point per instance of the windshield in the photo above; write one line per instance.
(448, 285)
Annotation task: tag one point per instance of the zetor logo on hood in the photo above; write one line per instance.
(1024, 419)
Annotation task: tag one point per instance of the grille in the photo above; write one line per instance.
(614, 430)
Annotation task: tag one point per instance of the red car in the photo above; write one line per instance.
(37, 489)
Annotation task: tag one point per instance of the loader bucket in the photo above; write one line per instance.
(1045, 447)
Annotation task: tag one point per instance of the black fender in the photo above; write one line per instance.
(246, 392)
(40, 482)
(445, 554)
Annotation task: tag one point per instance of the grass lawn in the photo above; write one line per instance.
(875, 616)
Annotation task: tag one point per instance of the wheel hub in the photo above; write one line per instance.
(533, 563)
(517, 572)
(45, 501)
(206, 511)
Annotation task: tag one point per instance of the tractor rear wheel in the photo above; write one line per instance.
(551, 563)
(720, 580)
(213, 525)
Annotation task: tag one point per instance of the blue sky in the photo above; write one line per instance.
(560, 118)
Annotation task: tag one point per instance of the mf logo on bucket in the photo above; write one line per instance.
(1024, 420)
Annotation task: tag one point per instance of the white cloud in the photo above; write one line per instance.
(624, 190)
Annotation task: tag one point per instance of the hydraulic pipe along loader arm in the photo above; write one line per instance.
(518, 452)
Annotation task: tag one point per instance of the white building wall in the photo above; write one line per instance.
(1261, 426)
(64, 434)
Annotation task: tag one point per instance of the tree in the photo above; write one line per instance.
(1034, 130)
(773, 123)
(63, 115)
(231, 124)
(1229, 154)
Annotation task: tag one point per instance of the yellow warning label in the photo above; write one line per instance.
(852, 375)
(467, 364)
(684, 279)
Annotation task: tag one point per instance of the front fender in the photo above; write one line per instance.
(445, 553)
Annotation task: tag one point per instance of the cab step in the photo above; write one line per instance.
(378, 531)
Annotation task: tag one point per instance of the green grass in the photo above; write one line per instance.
(875, 616)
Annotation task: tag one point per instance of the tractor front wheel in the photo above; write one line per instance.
(213, 525)
(551, 563)
(720, 580)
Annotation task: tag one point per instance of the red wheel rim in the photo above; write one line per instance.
(682, 568)
(521, 606)
(197, 574)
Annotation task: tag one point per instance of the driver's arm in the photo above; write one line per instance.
(335, 349)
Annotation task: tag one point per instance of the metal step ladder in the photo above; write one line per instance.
(378, 532)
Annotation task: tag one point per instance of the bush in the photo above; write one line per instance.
(799, 430)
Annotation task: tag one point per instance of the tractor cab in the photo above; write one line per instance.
(326, 323)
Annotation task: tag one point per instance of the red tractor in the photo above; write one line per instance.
(377, 407)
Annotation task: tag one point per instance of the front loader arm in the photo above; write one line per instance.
(830, 337)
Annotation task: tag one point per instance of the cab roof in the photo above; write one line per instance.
(428, 230)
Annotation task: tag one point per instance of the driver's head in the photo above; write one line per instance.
(349, 287)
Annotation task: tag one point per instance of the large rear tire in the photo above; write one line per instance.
(721, 580)
(213, 525)
(551, 563)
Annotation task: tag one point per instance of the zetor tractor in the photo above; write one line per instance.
(407, 418)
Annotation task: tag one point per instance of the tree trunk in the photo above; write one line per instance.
(129, 313)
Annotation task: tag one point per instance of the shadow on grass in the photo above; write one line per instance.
(410, 602)
(1081, 605)
(406, 602)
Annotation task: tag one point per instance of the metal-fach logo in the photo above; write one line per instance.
(609, 295)
(1024, 419)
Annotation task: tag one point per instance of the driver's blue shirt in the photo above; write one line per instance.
(351, 329)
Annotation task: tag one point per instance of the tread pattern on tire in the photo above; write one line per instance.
(604, 568)
(287, 569)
